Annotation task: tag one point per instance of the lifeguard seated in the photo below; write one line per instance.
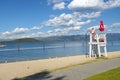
(92, 31)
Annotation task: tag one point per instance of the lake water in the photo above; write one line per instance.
(40, 50)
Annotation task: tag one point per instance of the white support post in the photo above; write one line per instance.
(98, 46)
(90, 50)
(90, 46)
(105, 51)
(99, 53)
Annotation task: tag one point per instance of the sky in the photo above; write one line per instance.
(44, 18)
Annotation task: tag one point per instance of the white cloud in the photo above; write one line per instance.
(54, 1)
(90, 15)
(111, 4)
(94, 5)
(59, 6)
(113, 28)
(19, 33)
(15, 31)
(67, 23)
(19, 30)
(85, 4)
(67, 20)
(7, 33)
(36, 27)
(115, 25)
(82, 23)
(63, 31)
(62, 20)
(58, 31)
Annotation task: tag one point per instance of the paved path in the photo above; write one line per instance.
(83, 71)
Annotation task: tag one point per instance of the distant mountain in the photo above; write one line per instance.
(109, 36)
(64, 38)
(21, 40)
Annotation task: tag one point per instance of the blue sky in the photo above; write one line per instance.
(42, 18)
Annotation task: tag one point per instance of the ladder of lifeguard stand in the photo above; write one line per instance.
(95, 45)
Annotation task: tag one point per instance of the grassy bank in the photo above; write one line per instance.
(113, 74)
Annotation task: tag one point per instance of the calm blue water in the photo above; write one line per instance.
(48, 50)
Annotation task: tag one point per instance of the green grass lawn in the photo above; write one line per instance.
(113, 74)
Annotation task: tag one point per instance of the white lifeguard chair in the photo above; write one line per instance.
(96, 43)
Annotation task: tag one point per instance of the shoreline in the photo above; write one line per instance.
(5, 61)
(13, 70)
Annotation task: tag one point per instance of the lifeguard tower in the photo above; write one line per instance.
(97, 41)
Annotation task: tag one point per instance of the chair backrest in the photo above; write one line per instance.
(102, 39)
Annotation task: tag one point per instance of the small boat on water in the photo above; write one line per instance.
(2, 45)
